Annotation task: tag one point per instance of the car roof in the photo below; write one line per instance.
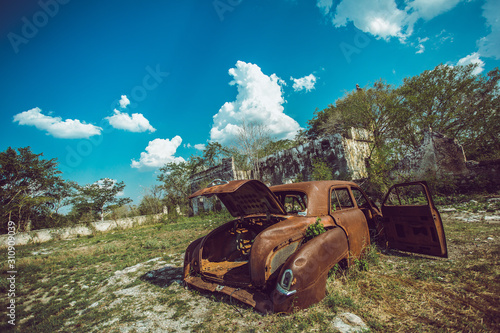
(311, 186)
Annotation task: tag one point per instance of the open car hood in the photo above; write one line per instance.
(243, 197)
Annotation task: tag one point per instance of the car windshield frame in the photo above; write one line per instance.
(300, 197)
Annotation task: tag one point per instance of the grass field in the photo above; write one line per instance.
(129, 281)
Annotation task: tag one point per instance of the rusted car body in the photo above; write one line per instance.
(261, 258)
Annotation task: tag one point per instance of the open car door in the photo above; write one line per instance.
(412, 222)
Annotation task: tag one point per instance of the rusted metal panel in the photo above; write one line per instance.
(244, 197)
(262, 258)
(411, 220)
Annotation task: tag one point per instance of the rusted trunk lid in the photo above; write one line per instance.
(244, 197)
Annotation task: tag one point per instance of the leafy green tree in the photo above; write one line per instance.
(175, 181)
(99, 198)
(456, 102)
(28, 187)
(375, 109)
(152, 201)
(213, 154)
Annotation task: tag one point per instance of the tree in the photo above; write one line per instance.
(28, 187)
(152, 201)
(458, 103)
(175, 179)
(375, 109)
(251, 141)
(63, 194)
(213, 154)
(99, 198)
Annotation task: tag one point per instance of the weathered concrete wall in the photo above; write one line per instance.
(438, 157)
(484, 175)
(45, 235)
(346, 157)
(357, 150)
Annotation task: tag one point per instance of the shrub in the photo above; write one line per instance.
(314, 230)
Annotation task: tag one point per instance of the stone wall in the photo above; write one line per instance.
(483, 175)
(45, 235)
(345, 155)
(438, 157)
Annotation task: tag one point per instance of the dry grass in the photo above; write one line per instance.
(126, 281)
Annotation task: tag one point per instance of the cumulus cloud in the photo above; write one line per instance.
(489, 46)
(158, 153)
(55, 126)
(383, 18)
(124, 101)
(199, 146)
(473, 59)
(135, 123)
(259, 101)
(304, 83)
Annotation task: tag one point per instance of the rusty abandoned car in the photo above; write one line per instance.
(262, 257)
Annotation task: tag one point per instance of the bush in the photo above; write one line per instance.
(314, 230)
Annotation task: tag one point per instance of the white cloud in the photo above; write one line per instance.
(55, 126)
(324, 6)
(259, 101)
(380, 18)
(158, 153)
(421, 47)
(199, 146)
(489, 46)
(306, 82)
(124, 101)
(135, 123)
(473, 59)
(383, 18)
(428, 9)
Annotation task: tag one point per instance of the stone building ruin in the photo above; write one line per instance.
(438, 157)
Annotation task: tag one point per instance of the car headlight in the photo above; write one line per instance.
(286, 282)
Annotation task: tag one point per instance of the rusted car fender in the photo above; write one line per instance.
(273, 246)
(302, 279)
(191, 257)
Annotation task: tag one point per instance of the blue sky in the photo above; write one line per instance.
(117, 89)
